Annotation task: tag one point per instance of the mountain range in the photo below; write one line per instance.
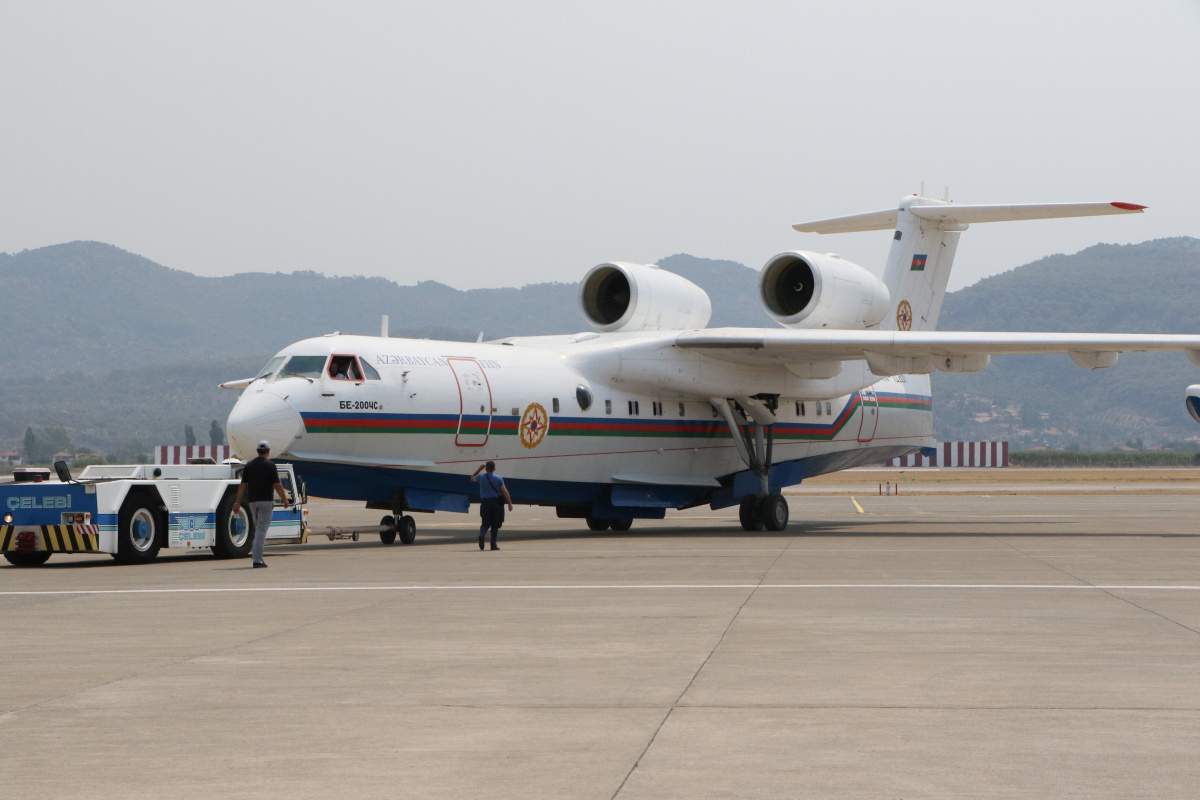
(123, 352)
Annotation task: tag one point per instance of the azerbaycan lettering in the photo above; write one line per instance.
(37, 503)
(389, 359)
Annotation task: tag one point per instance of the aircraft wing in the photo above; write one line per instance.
(758, 346)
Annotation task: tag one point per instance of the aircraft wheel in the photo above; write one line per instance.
(387, 529)
(597, 524)
(621, 524)
(27, 558)
(748, 515)
(408, 530)
(773, 511)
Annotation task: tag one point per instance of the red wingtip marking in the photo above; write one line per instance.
(1127, 206)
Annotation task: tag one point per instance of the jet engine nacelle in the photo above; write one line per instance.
(821, 290)
(1193, 401)
(638, 297)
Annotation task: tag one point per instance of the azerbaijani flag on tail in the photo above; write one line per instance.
(918, 262)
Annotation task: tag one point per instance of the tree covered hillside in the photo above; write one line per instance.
(1047, 400)
(122, 352)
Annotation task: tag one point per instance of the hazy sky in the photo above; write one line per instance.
(485, 144)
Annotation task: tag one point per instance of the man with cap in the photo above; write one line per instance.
(259, 479)
(491, 490)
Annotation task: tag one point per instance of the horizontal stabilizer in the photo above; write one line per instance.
(954, 215)
(871, 221)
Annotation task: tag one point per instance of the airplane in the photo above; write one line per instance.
(651, 411)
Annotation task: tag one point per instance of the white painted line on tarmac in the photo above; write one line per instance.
(544, 587)
(857, 507)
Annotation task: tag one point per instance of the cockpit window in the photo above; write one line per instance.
(371, 373)
(269, 369)
(303, 367)
(345, 368)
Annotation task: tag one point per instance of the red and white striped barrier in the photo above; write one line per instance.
(957, 454)
(180, 453)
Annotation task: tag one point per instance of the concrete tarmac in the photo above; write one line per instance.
(881, 647)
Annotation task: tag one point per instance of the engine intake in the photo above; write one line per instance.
(616, 296)
(821, 290)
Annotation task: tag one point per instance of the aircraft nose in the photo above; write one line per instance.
(260, 414)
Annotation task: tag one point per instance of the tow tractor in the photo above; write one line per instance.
(133, 511)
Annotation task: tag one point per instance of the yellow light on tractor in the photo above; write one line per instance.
(8, 518)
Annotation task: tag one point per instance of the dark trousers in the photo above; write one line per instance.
(491, 511)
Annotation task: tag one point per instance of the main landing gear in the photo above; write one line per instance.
(400, 525)
(618, 525)
(763, 513)
(751, 422)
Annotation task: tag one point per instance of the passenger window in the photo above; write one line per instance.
(554, 404)
(344, 368)
(682, 410)
(818, 409)
(828, 409)
(608, 406)
(371, 373)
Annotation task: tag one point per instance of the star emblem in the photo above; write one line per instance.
(533, 426)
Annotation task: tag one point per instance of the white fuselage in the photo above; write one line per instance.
(550, 413)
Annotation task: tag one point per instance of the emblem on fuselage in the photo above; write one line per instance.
(535, 422)
(904, 316)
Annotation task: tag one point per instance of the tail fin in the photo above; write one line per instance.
(925, 239)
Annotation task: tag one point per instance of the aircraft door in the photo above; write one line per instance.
(868, 419)
(474, 402)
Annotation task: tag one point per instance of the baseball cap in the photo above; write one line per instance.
(264, 445)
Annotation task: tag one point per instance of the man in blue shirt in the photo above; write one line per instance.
(491, 490)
